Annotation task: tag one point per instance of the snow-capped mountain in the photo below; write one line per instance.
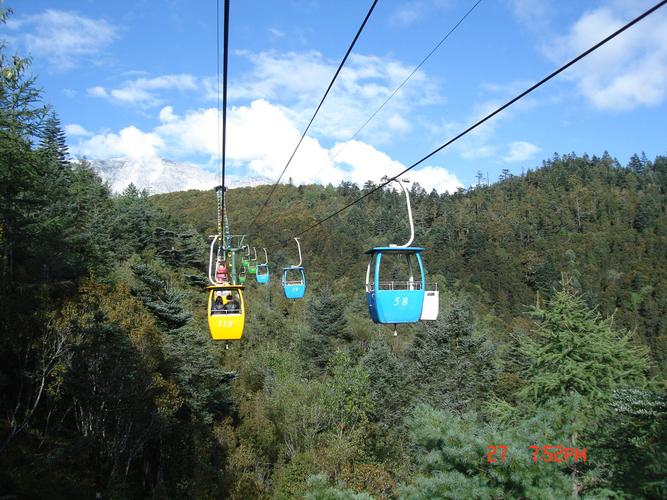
(158, 175)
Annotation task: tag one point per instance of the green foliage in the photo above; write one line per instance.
(388, 384)
(162, 300)
(326, 317)
(110, 382)
(112, 393)
(326, 314)
(632, 440)
(319, 489)
(53, 141)
(575, 351)
(452, 459)
(347, 397)
(450, 366)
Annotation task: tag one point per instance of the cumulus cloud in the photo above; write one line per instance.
(411, 11)
(167, 115)
(368, 163)
(299, 79)
(627, 72)
(76, 130)
(98, 92)
(63, 38)
(408, 13)
(533, 14)
(261, 137)
(521, 151)
(130, 142)
(144, 91)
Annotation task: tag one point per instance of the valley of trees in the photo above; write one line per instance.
(552, 331)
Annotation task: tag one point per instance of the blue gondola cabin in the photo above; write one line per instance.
(262, 275)
(395, 284)
(294, 282)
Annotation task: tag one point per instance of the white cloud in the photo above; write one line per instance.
(408, 12)
(438, 178)
(167, 115)
(65, 39)
(196, 133)
(76, 130)
(98, 92)
(478, 143)
(299, 79)
(130, 142)
(144, 91)
(261, 137)
(276, 33)
(533, 14)
(368, 163)
(629, 71)
(476, 150)
(521, 151)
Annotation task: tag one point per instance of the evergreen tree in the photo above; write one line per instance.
(631, 442)
(449, 365)
(390, 397)
(388, 384)
(53, 140)
(162, 300)
(453, 459)
(648, 212)
(577, 360)
(575, 351)
(326, 314)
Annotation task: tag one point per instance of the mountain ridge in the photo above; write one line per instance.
(162, 175)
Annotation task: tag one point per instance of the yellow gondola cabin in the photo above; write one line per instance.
(226, 311)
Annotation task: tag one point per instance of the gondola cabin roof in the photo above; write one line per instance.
(395, 249)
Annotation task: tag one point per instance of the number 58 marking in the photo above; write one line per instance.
(400, 302)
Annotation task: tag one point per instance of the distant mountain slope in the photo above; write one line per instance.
(505, 244)
(161, 175)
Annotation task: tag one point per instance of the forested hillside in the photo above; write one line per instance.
(506, 245)
(551, 332)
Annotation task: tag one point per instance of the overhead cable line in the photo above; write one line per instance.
(340, 66)
(421, 63)
(224, 93)
(494, 113)
(437, 46)
(217, 61)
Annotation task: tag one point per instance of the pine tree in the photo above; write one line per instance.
(449, 365)
(575, 351)
(388, 383)
(390, 397)
(648, 212)
(453, 459)
(326, 315)
(162, 300)
(577, 360)
(632, 442)
(53, 140)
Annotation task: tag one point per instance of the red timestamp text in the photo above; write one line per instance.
(548, 453)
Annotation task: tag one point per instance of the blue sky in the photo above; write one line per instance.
(138, 79)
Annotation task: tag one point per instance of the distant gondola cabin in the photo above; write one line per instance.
(294, 282)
